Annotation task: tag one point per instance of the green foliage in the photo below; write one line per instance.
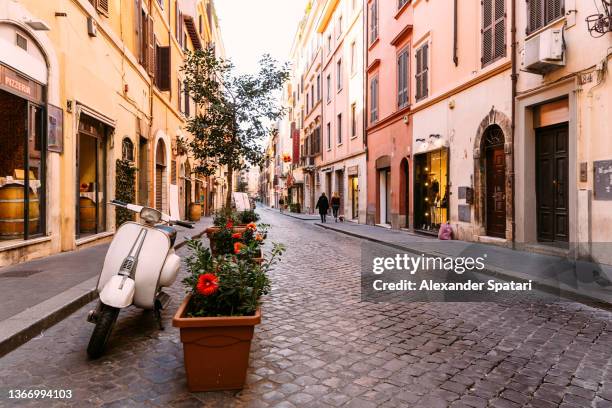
(241, 282)
(242, 186)
(247, 216)
(225, 215)
(125, 189)
(235, 111)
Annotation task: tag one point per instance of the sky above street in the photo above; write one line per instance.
(251, 28)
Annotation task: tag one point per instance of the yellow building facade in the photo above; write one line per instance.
(84, 83)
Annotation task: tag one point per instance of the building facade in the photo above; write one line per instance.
(97, 84)
(388, 29)
(563, 110)
(461, 120)
(343, 167)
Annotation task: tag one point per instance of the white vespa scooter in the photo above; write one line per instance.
(139, 263)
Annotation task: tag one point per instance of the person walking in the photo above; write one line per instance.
(281, 204)
(323, 206)
(335, 205)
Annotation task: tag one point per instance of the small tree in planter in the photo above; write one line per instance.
(218, 316)
(235, 111)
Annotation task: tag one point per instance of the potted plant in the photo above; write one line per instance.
(247, 217)
(229, 239)
(219, 314)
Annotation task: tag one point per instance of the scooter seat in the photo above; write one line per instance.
(171, 232)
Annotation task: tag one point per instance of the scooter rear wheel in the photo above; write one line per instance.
(101, 333)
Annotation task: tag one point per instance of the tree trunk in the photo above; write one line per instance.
(230, 186)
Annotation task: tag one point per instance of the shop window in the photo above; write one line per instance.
(431, 193)
(91, 165)
(22, 187)
(127, 150)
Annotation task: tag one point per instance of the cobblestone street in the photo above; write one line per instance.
(319, 346)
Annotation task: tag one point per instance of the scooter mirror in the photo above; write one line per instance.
(150, 215)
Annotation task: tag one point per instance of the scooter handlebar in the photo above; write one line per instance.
(119, 203)
(183, 224)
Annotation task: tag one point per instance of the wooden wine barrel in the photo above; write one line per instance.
(195, 211)
(87, 215)
(12, 211)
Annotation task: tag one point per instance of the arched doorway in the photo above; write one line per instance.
(161, 182)
(404, 193)
(493, 176)
(495, 181)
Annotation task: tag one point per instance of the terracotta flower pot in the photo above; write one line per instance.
(216, 349)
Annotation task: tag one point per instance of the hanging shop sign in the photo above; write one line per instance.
(11, 81)
(55, 126)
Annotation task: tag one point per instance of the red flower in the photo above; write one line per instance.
(237, 235)
(238, 247)
(229, 224)
(258, 237)
(251, 226)
(207, 284)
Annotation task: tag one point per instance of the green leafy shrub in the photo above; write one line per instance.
(226, 285)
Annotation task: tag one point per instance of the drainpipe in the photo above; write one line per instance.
(513, 118)
(365, 17)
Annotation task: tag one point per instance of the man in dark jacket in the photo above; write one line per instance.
(323, 206)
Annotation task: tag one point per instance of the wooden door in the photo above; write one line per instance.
(159, 187)
(552, 188)
(496, 191)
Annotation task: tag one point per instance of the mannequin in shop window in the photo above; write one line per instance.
(434, 201)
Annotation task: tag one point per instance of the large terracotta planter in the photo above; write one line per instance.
(216, 349)
(195, 211)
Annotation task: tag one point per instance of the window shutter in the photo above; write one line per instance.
(425, 70)
(176, 20)
(187, 100)
(163, 75)
(493, 30)
(102, 7)
(554, 10)
(499, 30)
(150, 46)
(419, 70)
(535, 8)
(487, 32)
(138, 28)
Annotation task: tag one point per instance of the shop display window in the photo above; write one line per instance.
(431, 192)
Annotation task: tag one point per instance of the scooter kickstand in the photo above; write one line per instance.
(158, 316)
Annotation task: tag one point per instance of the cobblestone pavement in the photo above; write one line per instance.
(320, 346)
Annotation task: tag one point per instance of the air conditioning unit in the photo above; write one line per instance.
(544, 52)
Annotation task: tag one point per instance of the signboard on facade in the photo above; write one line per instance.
(55, 127)
(19, 85)
(602, 184)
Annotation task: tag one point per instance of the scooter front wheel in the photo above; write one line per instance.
(104, 326)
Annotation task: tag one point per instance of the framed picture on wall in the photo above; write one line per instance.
(55, 129)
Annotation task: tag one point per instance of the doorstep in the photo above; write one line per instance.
(387, 226)
(486, 239)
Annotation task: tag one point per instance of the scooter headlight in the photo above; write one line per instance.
(150, 215)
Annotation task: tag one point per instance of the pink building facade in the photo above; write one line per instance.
(389, 36)
(343, 167)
